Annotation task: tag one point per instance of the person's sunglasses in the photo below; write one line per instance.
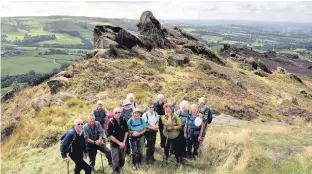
(117, 112)
(80, 124)
(151, 107)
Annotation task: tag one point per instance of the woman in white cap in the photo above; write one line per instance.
(193, 131)
(100, 113)
(130, 97)
(205, 112)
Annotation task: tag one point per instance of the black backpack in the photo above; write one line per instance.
(67, 133)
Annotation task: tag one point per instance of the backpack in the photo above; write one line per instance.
(131, 122)
(108, 119)
(67, 133)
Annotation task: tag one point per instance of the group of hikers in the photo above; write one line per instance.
(181, 128)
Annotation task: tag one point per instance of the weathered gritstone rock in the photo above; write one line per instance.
(225, 120)
(57, 83)
(281, 70)
(178, 60)
(41, 102)
(261, 73)
(64, 74)
(296, 78)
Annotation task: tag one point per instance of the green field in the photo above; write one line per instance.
(213, 39)
(63, 39)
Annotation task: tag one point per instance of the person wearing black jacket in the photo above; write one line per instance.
(74, 145)
(159, 108)
(117, 133)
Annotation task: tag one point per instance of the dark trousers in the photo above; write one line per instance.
(151, 140)
(162, 137)
(92, 151)
(118, 156)
(80, 164)
(182, 142)
(136, 144)
(192, 146)
(128, 150)
(176, 147)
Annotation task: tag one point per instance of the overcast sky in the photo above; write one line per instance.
(229, 10)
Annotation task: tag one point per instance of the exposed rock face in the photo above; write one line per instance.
(40, 102)
(263, 67)
(64, 74)
(302, 91)
(281, 70)
(111, 42)
(178, 60)
(261, 73)
(296, 78)
(57, 83)
(150, 27)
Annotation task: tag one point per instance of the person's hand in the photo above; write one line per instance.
(98, 142)
(122, 145)
(185, 135)
(199, 138)
(103, 141)
(85, 155)
(135, 134)
(156, 127)
(200, 115)
(170, 128)
(67, 159)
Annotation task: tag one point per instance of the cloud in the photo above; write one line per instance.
(255, 10)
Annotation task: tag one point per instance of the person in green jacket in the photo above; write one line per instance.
(171, 131)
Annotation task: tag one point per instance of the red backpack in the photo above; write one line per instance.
(108, 118)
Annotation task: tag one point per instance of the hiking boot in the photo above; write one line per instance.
(134, 167)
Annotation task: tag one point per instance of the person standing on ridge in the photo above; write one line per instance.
(151, 119)
(100, 113)
(159, 108)
(117, 133)
(73, 144)
(136, 127)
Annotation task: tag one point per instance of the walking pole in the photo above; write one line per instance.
(102, 163)
(164, 153)
(67, 168)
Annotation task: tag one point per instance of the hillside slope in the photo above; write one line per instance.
(180, 68)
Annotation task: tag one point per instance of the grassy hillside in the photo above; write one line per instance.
(110, 80)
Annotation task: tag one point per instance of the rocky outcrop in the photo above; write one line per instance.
(204, 50)
(263, 67)
(178, 60)
(295, 77)
(40, 102)
(57, 83)
(281, 70)
(64, 74)
(261, 73)
(150, 27)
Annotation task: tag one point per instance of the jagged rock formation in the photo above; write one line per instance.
(148, 42)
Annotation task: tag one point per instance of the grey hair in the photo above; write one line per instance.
(76, 120)
(184, 104)
(160, 96)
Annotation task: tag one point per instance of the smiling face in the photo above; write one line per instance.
(78, 124)
(100, 106)
(194, 110)
(168, 110)
(117, 112)
(91, 120)
(136, 114)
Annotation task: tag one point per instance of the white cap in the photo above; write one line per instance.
(126, 102)
(99, 102)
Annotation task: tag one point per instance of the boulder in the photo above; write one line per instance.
(263, 67)
(178, 60)
(302, 91)
(64, 96)
(64, 74)
(203, 50)
(40, 102)
(56, 83)
(185, 34)
(281, 70)
(226, 47)
(128, 39)
(295, 77)
(104, 42)
(261, 73)
(150, 27)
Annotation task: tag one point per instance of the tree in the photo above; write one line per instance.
(16, 86)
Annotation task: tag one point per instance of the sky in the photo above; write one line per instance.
(295, 11)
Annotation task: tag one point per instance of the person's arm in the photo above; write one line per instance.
(178, 123)
(210, 117)
(65, 143)
(126, 131)
(113, 139)
(201, 131)
(185, 128)
(100, 131)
